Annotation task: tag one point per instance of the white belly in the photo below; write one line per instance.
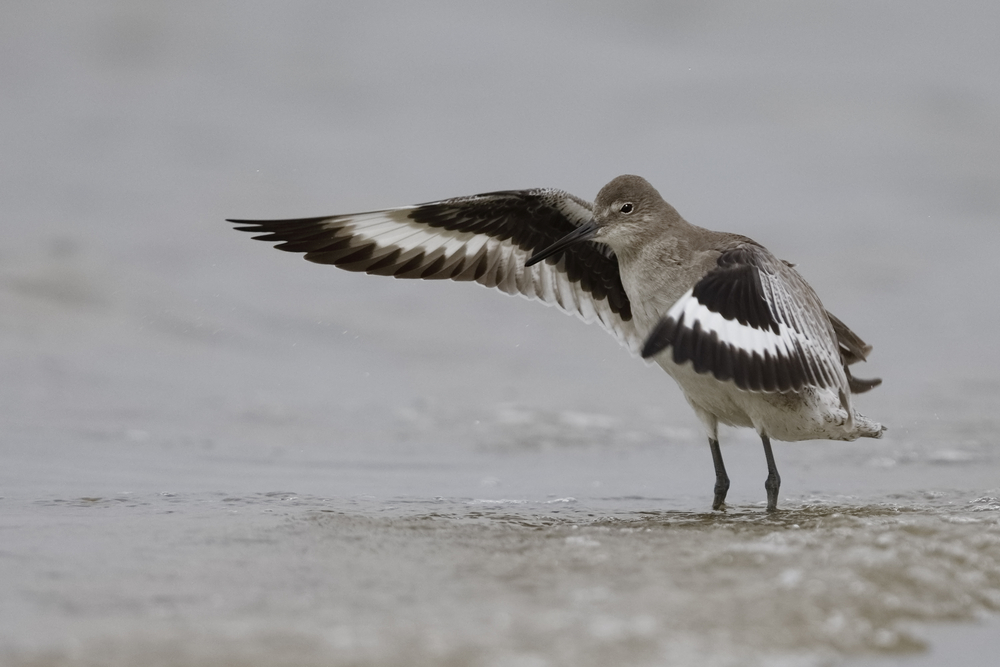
(812, 413)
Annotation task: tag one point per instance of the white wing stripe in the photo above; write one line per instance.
(740, 336)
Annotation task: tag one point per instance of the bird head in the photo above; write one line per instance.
(626, 210)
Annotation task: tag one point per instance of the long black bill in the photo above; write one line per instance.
(581, 233)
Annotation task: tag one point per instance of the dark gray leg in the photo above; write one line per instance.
(773, 482)
(721, 478)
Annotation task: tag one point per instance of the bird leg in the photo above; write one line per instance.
(773, 482)
(721, 478)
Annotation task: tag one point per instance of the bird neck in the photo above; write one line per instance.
(658, 269)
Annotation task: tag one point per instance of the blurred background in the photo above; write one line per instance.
(148, 349)
(858, 140)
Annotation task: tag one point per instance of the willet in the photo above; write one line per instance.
(745, 337)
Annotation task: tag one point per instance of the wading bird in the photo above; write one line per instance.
(745, 337)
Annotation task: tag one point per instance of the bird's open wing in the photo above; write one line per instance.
(483, 238)
(753, 320)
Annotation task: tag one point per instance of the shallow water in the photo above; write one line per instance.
(167, 552)
(277, 577)
(216, 453)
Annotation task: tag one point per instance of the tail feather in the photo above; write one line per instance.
(852, 348)
(866, 428)
(860, 385)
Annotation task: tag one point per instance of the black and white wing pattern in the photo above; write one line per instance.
(484, 238)
(753, 320)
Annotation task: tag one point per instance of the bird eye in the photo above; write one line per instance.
(626, 207)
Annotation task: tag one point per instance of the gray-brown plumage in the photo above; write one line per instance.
(745, 337)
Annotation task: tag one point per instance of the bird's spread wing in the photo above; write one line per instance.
(483, 238)
(753, 320)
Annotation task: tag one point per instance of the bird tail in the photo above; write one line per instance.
(852, 350)
(860, 385)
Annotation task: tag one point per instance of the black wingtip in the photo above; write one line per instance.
(245, 225)
(861, 385)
